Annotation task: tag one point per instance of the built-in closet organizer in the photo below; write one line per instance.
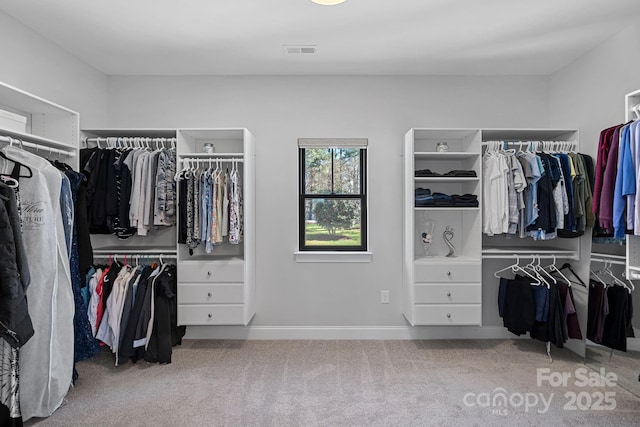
(462, 290)
(437, 289)
(217, 286)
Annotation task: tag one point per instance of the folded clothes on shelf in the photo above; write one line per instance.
(462, 173)
(425, 198)
(425, 173)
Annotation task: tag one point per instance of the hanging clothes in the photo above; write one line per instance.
(16, 327)
(597, 311)
(130, 191)
(46, 360)
(614, 334)
(542, 195)
(210, 206)
(85, 345)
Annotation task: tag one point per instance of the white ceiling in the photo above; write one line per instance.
(370, 37)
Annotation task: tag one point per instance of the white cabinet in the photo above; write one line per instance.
(217, 287)
(437, 289)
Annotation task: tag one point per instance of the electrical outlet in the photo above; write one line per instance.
(384, 297)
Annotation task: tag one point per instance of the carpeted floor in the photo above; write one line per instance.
(346, 383)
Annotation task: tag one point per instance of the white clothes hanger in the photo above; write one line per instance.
(607, 270)
(531, 266)
(511, 267)
(540, 269)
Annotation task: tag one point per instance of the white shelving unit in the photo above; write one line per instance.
(449, 291)
(48, 125)
(219, 288)
(216, 288)
(440, 290)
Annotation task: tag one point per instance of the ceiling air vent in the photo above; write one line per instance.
(299, 50)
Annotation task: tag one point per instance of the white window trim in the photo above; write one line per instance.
(335, 256)
(338, 256)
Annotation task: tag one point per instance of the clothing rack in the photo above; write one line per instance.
(38, 147)
(130, 141)
(100, 253)
(612, 259)
(562, 146)
(516, 254)
(211, 159)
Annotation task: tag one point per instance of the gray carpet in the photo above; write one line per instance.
(337, 383)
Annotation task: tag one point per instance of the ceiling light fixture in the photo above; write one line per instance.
(328, 2)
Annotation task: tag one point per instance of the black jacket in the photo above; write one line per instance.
(15, 323)
(166, 332)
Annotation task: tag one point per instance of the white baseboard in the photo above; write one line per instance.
(348, 332)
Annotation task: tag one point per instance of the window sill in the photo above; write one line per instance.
(337, 256)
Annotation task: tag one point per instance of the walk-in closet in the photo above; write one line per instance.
(319, 213)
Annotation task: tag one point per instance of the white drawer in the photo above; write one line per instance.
(448, 272)
(452, 293)
(211, 271)
(232, 314)
(448, 314)
(209, 293)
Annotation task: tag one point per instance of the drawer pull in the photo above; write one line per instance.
(209, 315)
(209, 273)
(448, 315)
(209, 294)
(448, 294)
(448, 273)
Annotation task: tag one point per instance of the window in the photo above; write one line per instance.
(333, 194)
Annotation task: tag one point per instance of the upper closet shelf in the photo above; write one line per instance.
(446, 179)
(446, 208)
(430, 155)
(41, 122)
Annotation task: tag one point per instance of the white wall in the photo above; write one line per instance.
(278, 111)
(589, 93)
(36, 65)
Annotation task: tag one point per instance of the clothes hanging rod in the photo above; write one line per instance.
(523, 256)
(123, 251)
(208, 155)
(526, 141)
(210, 159)
(608, 256)
(38, 147)
(129, 139)
(609, 260)
(119, 255)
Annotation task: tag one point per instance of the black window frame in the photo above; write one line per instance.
(362, 196)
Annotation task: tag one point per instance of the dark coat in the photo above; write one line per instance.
(15, 323)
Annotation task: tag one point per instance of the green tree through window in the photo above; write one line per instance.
(332, 199)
